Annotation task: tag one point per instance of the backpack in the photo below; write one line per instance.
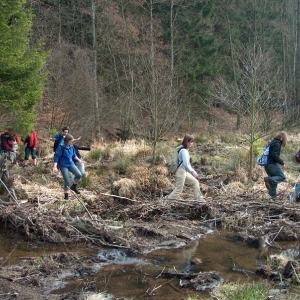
(57, 142)
(263, 159)
(295, 195)
(174, 163)
(297, 157)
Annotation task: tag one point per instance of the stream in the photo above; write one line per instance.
(138, 277)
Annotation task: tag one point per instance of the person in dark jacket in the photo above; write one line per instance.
(275, 163)
(80, 165)
(64, 156)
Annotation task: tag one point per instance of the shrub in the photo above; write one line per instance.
(257, 291)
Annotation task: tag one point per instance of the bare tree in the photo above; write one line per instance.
(254, 94)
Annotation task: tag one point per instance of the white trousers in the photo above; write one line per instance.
(183, 176)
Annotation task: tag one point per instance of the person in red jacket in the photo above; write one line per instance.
(31, 143)
(9, 143)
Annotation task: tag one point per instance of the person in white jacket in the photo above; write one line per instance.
(185, 172)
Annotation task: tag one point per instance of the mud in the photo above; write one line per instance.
(98, 219)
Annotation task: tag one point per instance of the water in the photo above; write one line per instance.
(138, 277)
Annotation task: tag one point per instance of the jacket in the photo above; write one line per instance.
(274, 152)
(31, 140)
(184, 157)
(5, 146)
(76, 147)
(64, 156)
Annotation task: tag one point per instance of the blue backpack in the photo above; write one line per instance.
(263, 159)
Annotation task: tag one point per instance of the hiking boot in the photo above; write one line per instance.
(74, 189)
(267, 183)
(66, 196)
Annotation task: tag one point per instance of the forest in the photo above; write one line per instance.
(149, 68)
(131, 77)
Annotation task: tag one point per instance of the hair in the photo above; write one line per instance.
(282, 136)
(11, 138)
(187, 138)
(68, 138)
(65, 128)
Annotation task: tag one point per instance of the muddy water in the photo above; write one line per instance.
(138, 277)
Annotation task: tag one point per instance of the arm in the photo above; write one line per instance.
(275, 153)
(82, 147)
(6, 146)
(186, 162)
(74, 156)
(57, 155)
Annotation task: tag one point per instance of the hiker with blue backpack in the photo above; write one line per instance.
(185, 172)
(64, 155)
(275, 163)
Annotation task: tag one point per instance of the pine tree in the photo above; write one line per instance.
(21, 67)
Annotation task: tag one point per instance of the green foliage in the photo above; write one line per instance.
(121, 162)
(99, 155)
(257, 291)
(238, 158)
(227, 138)
(288, 153)
(85, 181)
(95, 155)
(258, 147)
(21, 66)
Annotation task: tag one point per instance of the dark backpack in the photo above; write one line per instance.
(57, 142)
(297, 157)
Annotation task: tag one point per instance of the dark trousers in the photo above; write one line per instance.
(275, 176)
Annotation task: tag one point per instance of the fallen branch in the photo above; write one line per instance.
(119, 197)
(11, 194)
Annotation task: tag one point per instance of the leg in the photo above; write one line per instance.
(33, 155)
(27, 151)
(179, 183)
(190, 179)
(12, 156)
(77, 178)
(65, 174)
(275, 176)
(80, 167)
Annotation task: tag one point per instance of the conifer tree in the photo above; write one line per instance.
(21, 67)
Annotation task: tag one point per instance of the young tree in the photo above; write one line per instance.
(255, 94)
(21, 66)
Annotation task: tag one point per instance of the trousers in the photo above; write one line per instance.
(183, 176)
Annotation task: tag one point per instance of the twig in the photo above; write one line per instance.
(295, 273)
(276, 235)
(98, 239)
(81, 203)
(159, 275)
(12, 196)
(8, 256)
(120, 197)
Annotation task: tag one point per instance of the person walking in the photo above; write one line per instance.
(63, 158)
(275, 163)
(81, 165)
(31, 143)
(185, 172)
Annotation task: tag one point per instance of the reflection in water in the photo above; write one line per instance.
(138, 277)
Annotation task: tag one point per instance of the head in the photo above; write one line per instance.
(187, 141)
(11, 139)
(68, 140)
(65, 130)
(282, 136)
